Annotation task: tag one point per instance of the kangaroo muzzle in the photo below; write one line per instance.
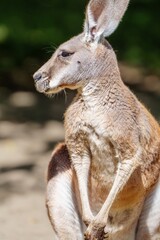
(41, 80)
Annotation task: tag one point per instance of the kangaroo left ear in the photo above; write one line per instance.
(102, 18)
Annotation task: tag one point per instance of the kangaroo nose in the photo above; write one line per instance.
(37, 76)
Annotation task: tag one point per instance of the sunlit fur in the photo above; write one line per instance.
(106, 174)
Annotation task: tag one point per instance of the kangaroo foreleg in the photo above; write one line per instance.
(125, 170)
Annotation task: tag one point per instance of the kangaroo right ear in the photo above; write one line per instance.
(102, 18)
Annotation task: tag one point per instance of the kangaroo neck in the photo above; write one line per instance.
(98, 90)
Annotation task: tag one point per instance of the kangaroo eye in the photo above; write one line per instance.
(65, 53)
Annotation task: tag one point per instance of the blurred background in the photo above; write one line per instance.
(30, 123)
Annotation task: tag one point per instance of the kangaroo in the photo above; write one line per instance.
(103, 182)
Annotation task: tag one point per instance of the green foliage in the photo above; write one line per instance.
(29, 29)
(138, 36)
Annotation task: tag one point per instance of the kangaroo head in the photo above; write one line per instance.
(85, 56)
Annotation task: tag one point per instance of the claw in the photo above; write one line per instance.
(106, 236)
(87, 220)
(95, 234)
(85, 236)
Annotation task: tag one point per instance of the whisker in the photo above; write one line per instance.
(65, 94)
(52, 95)
(50, 49)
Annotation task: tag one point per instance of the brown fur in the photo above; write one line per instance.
(107, 175)
(60, 161)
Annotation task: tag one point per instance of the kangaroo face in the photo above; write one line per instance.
(85, 56)
(71, 66)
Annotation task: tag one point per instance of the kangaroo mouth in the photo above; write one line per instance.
(42, 86)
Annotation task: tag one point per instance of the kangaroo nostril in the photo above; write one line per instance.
(44, 75)
(37, 76)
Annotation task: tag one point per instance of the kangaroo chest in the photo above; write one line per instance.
(103, 155)
(103, 169)
(96, 132)
(90, 127)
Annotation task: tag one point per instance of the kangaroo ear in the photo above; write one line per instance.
(102, 18)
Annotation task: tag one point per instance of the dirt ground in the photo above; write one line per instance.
(30, 126)
(28, 134)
